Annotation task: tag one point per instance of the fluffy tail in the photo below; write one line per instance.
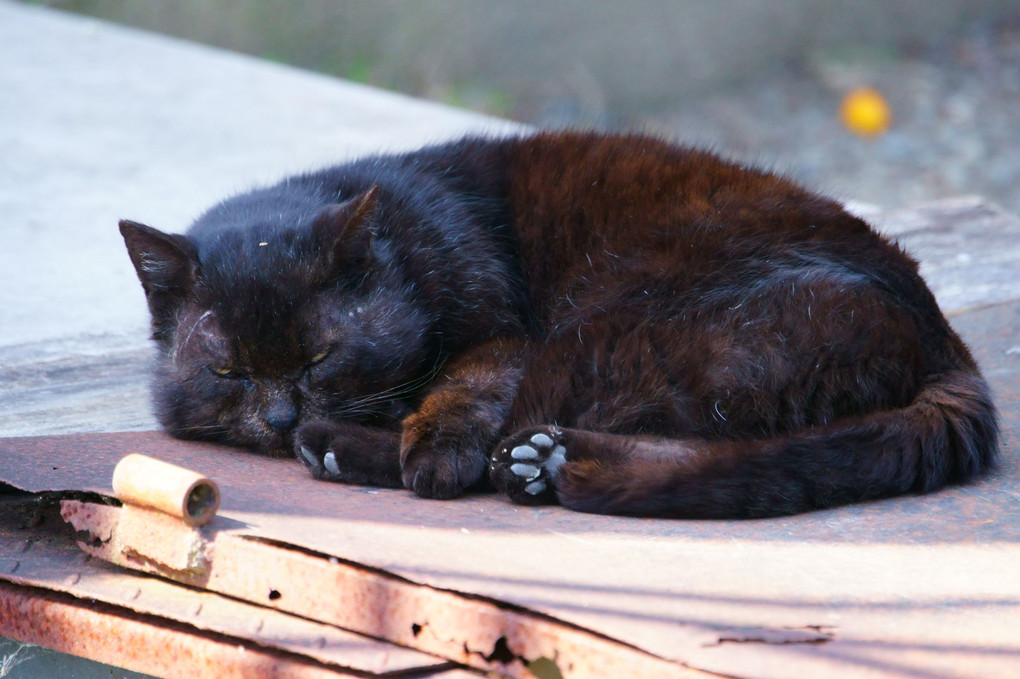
(949, 434)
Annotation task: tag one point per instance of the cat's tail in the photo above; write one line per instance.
(948, 434)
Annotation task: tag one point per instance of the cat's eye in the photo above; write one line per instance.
(319, 357)
(221, 371)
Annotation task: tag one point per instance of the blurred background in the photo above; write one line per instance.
(891, 102)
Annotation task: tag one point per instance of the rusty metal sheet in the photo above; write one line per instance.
(904, 587)
(37, 551)
(478, 633)
(116, 636)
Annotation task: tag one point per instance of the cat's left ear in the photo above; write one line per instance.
(345, 231)
(167, 265)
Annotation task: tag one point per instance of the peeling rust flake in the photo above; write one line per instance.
(809, 634)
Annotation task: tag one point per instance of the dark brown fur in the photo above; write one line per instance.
(615, 323)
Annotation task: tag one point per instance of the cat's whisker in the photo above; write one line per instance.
(204, 427)
(362, 405)
(204, 431)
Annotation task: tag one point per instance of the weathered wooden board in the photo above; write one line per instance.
(969, 250)
(78, 384)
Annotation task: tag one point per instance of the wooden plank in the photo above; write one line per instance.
(969, 249)
(76, 384)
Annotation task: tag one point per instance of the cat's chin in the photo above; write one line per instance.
(280, 447)
(277, 452)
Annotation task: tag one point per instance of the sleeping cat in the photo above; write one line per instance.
(615, 323)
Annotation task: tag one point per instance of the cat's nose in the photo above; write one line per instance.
(282, 416)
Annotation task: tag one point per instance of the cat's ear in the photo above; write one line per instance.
(167, 266)
(345, 231)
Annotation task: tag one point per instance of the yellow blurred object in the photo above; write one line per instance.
(865, 112)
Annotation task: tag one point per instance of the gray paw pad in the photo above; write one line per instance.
(538, 461)
(528, 471)
(524, 453)
(534, 488)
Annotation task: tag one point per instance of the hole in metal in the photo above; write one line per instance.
(501, 652)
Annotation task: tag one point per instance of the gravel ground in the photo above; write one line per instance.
(955, 131)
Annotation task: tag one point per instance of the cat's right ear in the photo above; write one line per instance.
(167, 265)
(345, 231)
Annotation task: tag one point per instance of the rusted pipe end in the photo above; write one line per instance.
(202, 502)
(185, 494)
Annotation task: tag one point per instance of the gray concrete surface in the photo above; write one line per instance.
(23, 661)
(99, 122)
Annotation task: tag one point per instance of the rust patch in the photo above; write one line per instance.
(46, 559)
(139, 643)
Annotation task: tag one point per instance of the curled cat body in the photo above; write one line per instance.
(612, 322)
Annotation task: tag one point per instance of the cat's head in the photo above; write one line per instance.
(265, 326)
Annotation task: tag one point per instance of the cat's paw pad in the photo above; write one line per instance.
(525, 465)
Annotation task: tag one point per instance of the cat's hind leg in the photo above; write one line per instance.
(524, 465)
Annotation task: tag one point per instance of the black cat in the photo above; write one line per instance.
(614, 322)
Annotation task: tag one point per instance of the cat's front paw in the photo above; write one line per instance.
(525, 465)
(441, 460)
(441, 470)
(349, 453)
(434, 476)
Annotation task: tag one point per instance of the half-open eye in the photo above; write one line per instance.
(221, 371)
(319, 357)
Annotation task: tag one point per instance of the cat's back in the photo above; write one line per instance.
(589, 206)
(621, 186)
